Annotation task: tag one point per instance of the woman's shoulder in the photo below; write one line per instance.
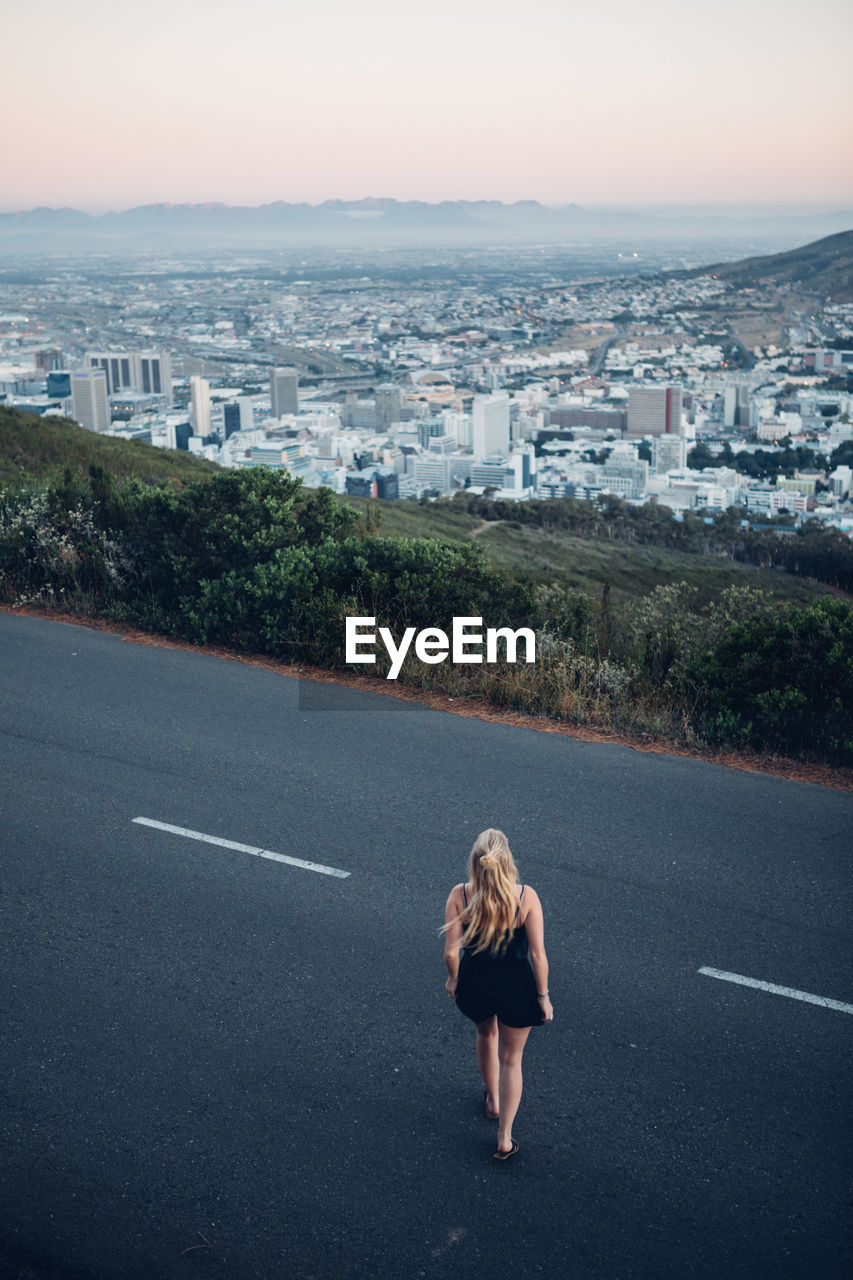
(529, 901)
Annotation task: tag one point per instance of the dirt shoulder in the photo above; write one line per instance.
(839, 777)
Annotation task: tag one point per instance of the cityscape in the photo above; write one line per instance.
(410, 374)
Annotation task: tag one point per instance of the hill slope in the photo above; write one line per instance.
(582, 562)
(34, 448)
(825, 266)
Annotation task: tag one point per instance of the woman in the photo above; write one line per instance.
(501, 980)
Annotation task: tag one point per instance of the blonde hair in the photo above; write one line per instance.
(489, 917)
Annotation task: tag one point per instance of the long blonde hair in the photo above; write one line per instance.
(489, 917)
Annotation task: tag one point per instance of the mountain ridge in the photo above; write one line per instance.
(372, 218)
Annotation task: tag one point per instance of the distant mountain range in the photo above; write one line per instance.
(373, 221)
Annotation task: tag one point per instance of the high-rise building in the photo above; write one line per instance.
(490, 425)
(90, 403)
(389, 402)
(736, 405)
(200, 392)
(239, 415)
(247, 413)
(231, 418)
(148, 373)
(654, 411)
(284, 392)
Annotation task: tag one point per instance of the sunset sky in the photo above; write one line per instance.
(108, 106)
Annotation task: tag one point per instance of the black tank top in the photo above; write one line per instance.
(516, 948)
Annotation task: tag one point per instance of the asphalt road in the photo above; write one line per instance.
(219, 1065)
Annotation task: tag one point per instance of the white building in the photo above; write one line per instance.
(669, 453)
(200, 391)
(90, 403)
(766, 497)
(840, 480)
(460, 426)
(490, 425)
(148, 373)
(432, 471)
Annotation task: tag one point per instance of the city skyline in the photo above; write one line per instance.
(673, 104)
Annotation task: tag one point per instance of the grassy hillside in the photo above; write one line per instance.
(583, 563)
(38, 449)
(34, 448)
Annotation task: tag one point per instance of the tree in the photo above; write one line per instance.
(700, 457)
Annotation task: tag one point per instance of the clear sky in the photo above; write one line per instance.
(108, 105)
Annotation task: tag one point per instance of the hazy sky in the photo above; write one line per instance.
(108, 105)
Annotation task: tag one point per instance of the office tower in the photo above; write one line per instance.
(490, 425)
(231, 418)
(736, 405)
(247, 413)
(239, 415)
(389, 402)
(669, 453)
(145, 372)
(155, 373)
(284, 387)
(90, 403)
(200, 392)
(654, 411)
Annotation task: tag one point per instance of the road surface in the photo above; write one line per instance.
(218, 1063)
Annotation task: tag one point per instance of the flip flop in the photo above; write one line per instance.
(490, 1115)
(505, 1155)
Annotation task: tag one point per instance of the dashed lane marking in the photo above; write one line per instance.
(824, 1001)
(243, 848)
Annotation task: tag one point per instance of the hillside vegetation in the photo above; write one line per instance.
(41, 448)
(631, 550)
(824, 266)
(252, 561)
(564, 541)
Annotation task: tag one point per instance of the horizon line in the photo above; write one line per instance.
(782, 207)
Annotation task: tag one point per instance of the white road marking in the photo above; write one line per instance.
(777, 991)
(243, 848)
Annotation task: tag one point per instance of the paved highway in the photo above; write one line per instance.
(224, 1064)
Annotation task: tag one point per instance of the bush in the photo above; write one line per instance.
(295, 604)
(782, 680)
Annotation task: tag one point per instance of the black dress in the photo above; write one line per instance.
(499, 983)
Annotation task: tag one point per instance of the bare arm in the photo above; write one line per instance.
(536, 942)
(452, 938)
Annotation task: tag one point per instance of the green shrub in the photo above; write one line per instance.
(782, 680)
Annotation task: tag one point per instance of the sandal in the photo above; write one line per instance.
(505, 1155)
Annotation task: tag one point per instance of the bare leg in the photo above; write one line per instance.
(511, 1042)
(487, 1060)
